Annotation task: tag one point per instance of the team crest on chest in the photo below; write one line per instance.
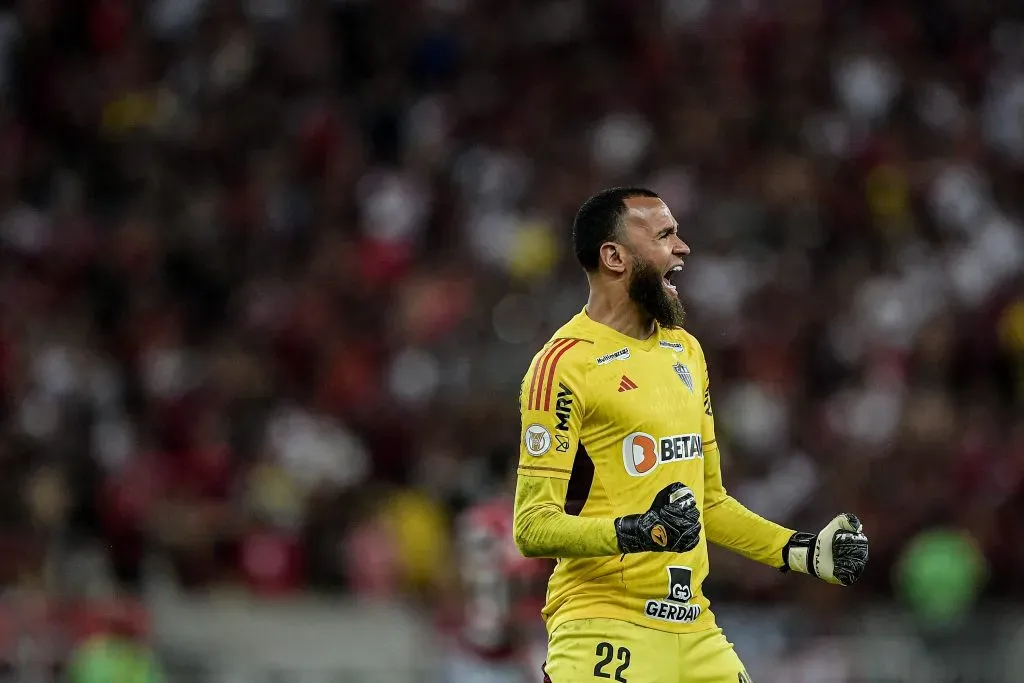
(684, 374)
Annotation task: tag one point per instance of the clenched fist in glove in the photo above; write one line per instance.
(671, 525)
(837, 554)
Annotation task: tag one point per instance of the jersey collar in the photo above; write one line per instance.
(606, 332)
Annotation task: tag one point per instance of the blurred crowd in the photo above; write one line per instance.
(271, 271)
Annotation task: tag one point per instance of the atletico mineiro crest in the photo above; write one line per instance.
(684, 374)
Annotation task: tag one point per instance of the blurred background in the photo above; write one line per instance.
(271, 272)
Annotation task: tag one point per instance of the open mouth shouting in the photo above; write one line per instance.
(667, 278)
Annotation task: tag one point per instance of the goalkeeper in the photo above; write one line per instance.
(619, 473)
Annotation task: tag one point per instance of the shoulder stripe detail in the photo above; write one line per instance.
(550, 372)
(539, 368)
(709, 444)
(544, 370)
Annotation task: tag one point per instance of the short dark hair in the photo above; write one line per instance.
(599, 220)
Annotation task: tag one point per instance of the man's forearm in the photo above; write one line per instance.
(542, 528)
(731, 525)
(551, 533)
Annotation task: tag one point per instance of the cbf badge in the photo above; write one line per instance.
(537, 440)
(684, 374)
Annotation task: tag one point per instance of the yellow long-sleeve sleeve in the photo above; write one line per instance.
(726, 521)
(731, 525)
(552, 402)
(542, 528)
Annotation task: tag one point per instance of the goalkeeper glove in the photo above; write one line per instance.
(837, 554)
(671, 525)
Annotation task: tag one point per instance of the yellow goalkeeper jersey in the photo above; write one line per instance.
(619, 419)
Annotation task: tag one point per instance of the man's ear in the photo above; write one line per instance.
(614, 257)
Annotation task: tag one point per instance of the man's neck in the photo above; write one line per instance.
(621, 314)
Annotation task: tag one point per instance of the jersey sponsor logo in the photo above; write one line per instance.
(537, 440)
(543, 375)
(642, 453)
(679, 579)
(683, 373)
(621, 354)
(676, 606)
(561, 443)
(671, 345)
(563, 408)
(667, 611)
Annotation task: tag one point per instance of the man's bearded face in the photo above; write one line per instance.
(649, 289)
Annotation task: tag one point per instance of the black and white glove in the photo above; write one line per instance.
(671, 525)
(837, 554)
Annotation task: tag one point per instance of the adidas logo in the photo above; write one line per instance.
(625, 384)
